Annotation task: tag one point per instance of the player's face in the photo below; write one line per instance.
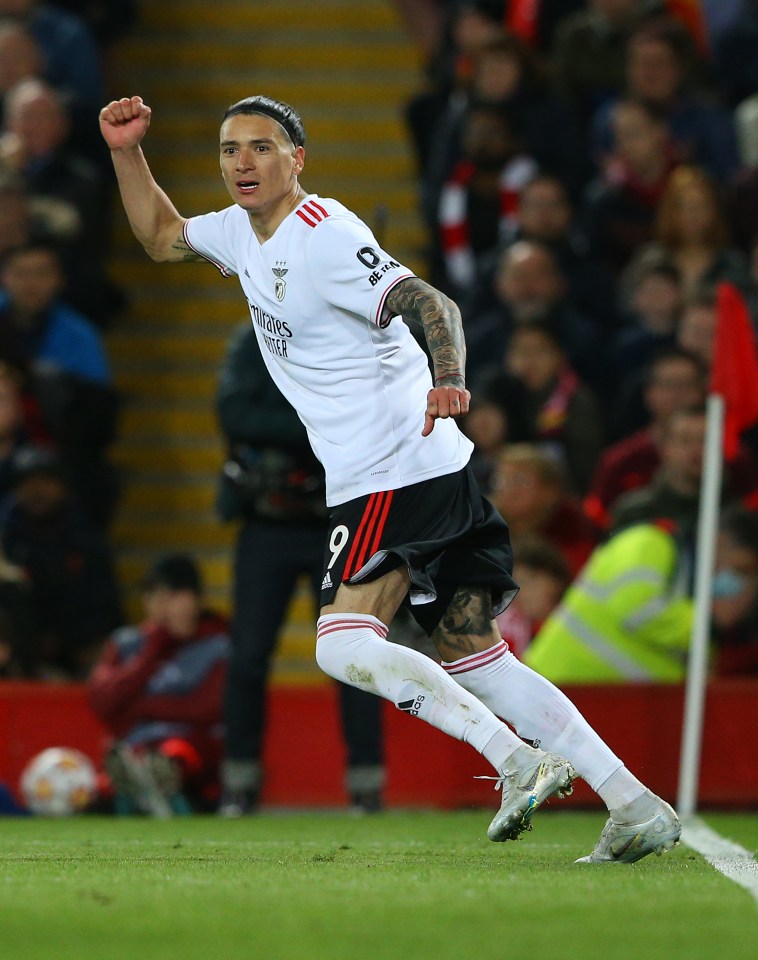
(258, 162)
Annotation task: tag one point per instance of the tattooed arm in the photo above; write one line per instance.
(414, 299)
(153, 217)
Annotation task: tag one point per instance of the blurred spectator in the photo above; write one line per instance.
(560, 412)
(735, 595)
(64, 360)
(651, 312)
(33, 145)
(478, 201)
(20, 57)
(107, 19)
(674, 380)
(697, 326)
(741, 207)
(734, 54)
(466, 28)
(158, 688)
(691, 229)
(529, 490)
(66, 597)
(661, 69)
(674, 492)
(588, 52)
(505, 73)
(494, 419)
(20, 423)
(628, 618)
(619, 209)
(71, 63)
(530, 288)
(545, 214)
(543, 576)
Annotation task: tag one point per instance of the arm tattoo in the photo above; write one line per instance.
(188, 255)
(466, 622)
(416, 300)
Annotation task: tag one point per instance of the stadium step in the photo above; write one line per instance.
(348, 66)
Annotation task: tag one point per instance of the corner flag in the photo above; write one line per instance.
(734, 374)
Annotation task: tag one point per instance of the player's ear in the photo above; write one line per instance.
(299, 159)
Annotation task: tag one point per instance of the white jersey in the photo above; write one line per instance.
(316, 291)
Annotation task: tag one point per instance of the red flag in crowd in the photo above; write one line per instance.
(734, 374)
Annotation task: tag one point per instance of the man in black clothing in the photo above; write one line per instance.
(275, 484)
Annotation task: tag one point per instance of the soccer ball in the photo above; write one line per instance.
(58, 782)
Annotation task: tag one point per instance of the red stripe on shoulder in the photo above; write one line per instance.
(317, 208)
(305, 219)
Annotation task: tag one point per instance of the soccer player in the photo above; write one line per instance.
(407, 522)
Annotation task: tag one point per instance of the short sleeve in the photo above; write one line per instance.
(211, 236)
(350, 269)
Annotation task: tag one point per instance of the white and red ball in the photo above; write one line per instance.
(59, 782)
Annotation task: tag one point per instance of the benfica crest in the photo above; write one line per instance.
(280, 287)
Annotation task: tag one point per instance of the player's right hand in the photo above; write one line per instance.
(124, 122)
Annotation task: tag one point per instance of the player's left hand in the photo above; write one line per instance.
(443, 402)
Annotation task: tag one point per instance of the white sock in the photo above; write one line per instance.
(541, 713)
(353, 648)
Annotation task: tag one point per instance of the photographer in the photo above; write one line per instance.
(273, 482)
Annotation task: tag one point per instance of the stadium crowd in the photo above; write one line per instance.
(588, 177)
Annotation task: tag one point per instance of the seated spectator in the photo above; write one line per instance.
(64, 359)
(461, 31)
(619, 209)
(478, 200)
(20, 424)
(158, 688)
(545, 215)
(735, 63)
(735, 595)
(696, 331)
(560, 413)
(71, 62)
(661, 69)
(530, 288)
(692, 231)
(20, 57)
(675, 380)
(628, 618)
(543, 576)
(487, 426)
(650, 313)
(67, 598)
(505, 73)
(588, 52)
(674, 492)
(33, 145)
(529, 490)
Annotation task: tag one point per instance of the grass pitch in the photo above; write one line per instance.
(395, 886)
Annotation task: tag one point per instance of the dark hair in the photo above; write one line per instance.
(175, 571)
(540, 554)
(285, 115)
(671, 353)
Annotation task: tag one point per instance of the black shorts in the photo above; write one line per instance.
(442, 530)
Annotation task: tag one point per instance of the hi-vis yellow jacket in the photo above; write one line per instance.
(626, 618)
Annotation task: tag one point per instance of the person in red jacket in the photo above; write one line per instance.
(158, 688)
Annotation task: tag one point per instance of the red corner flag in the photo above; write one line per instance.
(734, 374)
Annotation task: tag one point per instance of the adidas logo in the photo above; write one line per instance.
(411, 706)
(327, 581)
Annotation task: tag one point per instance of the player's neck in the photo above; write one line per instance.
(266, 222)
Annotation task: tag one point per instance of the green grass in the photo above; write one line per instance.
(329, 886)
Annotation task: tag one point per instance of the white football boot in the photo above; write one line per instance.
(628, 842)
(524, 788)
